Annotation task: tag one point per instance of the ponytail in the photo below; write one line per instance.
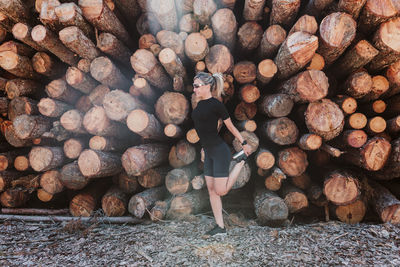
(219, 84)
(216, 80)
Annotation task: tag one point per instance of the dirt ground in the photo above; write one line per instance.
(181, 243)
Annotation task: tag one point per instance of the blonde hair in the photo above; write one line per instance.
(216, 80)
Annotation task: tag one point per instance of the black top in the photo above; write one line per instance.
(205, 117)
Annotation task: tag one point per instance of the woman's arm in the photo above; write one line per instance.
(236, 133)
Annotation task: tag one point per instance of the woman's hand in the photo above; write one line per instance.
(247, 149)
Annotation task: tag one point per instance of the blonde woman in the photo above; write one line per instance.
(217, 153)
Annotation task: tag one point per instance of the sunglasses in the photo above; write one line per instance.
(196, 85)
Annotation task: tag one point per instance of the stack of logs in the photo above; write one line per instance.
(97, 96)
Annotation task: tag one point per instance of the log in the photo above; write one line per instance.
(192, 202)
(224, 26)
(266, 70)
(292, 161)
(47, 39)
(346, 103)
(246, 125)
(324, 118)
(354, 138)
(18, 48)
(337, 31)
(269, 207)
(351, 213)
(6, 178)
(147, 66)
(342, 187)
(392, 168)
(165, 12)
(307, 86)
(356, 121)
(148, 23)
(72, 121)
(52, 108)
(385, 204)
(144, 201)
(302, 181)
(159, 211)
(252, 140)
(181, 154)
(178, 180)
(43, 64)
(358, 84)
(16, 10)
(128, 184)
(371, 156)
(74, 146)
(43, 158)
(142, 90)
(22, 87)
(203, 10)
(13, 198)
(138, 159)
(85, 202)
(170, 39)
(219, 59)
(192, 136)
(393, 125)
(245, 111)
(83, 104)
(31, 126)
(34, 211)
(22, 32)
(295, 52)
(154, 177)
(114, 202)
(20, 66)
(264, 159)
(111, 220)
(249, 36)
(172, 107)
(284, 12)
(103, 143)
(249, 93)
(355, 58)
(145, 124)
(282, 131)
(386, 41)
(146, 41)
(244, 72)
(107, 73)
(47, 14)
(69, 14)
(8, 131)
(376, 12)
(376, 125)
(103, 19)
(97, 95)
(253, 9)
(276, 105)
(188, 23)
(173, 131)
(96, 122)
(59, 89)
(119, 104)
(333, 151)
(7, 158)
(6, 22)
(273, 180)
(171, 63)
(198, 182)
(306, 23)
(393, 77)
(84, 65)
(310, 141)
(352, 7)
(95, 164)
(50, 182)
(294, 198)
(316, 63)
(76, 40)
(21, 163)
(110, 45)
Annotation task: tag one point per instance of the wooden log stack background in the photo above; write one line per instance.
(97, 95)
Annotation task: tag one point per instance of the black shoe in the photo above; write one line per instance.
(216, 231)
(239, 156)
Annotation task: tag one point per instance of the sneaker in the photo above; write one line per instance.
(216, 231)
(239, 156)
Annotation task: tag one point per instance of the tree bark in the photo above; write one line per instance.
(43, 64)
(17, 65)
(110, 45)
(138, 159)
(75, 39)
(284, 12)
(16, 10)
(52, 108)
(58, 89)
(144, 201)
(31, 126)
(107, 73)
(386, 205)
(352, 7)
(297, 50)
(376, 12)
(47, 39)
(103, 143)
(43, 158)
(22, 87)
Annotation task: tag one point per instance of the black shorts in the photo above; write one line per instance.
(217, 160)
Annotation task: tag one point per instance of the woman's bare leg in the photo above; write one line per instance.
(215, 201)
(223, 185)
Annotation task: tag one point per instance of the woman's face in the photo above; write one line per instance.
(200, 89)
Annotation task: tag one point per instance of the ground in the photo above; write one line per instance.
(181, 243)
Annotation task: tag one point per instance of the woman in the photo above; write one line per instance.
(217, 153)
